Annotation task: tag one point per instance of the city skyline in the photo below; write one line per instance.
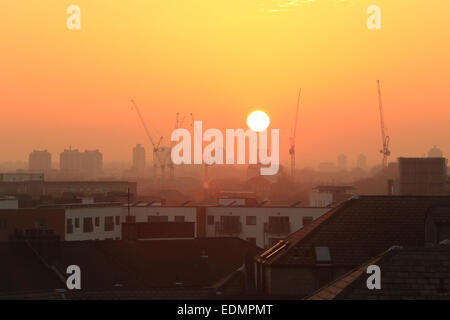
(179, 59)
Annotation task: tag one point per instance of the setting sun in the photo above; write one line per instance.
(258, 121)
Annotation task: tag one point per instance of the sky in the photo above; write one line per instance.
(220, 60)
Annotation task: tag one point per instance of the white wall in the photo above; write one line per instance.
(9, 204)
(262, 216)
(99, 232)
(320, 199)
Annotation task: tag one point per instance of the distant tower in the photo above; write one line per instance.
(361, 162)
(92, 163)
(342, 162)
(139, 157)
(40, 160)
(70, 160)
(435, 152)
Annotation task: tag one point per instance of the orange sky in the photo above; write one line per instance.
(220, 60)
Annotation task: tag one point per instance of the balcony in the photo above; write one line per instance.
(228, 228)
(277, 228)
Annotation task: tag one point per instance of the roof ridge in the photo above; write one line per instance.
(358, 271)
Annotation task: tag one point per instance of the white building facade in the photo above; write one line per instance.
(263, 226)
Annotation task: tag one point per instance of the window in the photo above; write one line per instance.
(323, 255)
(109, 223)
(69, 226)
(252, 240)
(87, 225)
(117, 220)
(77, 222)
(97, 221)
(250, 220)
(179, 219)
(278, 225)
(210, 220)
(158, 219)
(229, 225)
(307, 220)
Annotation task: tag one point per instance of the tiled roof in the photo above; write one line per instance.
(20, 270)
(358, 230)
(118, 294)
(149, 269)
(410, 273)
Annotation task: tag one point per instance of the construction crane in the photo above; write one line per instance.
(205, 176)
(178, 124)
(156, 145)
(384, 138)
(292, 139)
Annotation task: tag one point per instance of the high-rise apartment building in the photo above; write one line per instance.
(139, 157)
(40, 160)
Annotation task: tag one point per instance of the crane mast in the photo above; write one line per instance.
(155, 145)
(384, 138)
(292, 140)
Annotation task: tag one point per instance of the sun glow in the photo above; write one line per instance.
(258, 121)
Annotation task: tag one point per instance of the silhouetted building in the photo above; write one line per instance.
(435, 152)
(40, 160)
(157, 269)
(423, 176)
(139, 157)
(407, 274)
(70, 160)
(342, 162)
(324, 196)
(38, 188)
(89, 162)
(21, 177)
(346, 237)
(92, 162)
(361, 162)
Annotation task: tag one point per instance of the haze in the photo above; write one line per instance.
(220, 60)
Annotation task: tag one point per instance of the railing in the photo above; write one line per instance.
(228, 227)
(277, 228)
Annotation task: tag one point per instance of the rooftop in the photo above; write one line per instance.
(357, 230)
(411, 273)
(165, 266)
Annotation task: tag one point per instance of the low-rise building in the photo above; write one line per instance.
(263, 224)
(423, 176)
(347, 236)
(324, 196)
(162, 269)
(37, 188)
(405, 274)
(8, 203)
